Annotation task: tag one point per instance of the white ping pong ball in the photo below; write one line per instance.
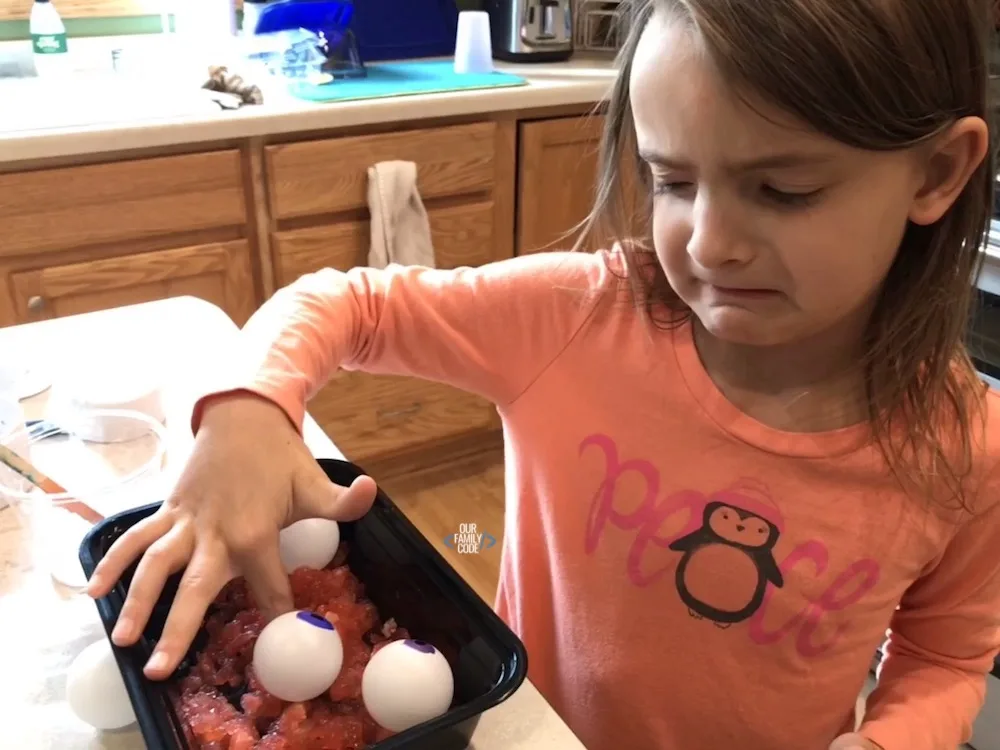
(298, 656)
(407, 683)
(310, 543)
(95, 690)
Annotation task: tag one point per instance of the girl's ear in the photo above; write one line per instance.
(947, 163)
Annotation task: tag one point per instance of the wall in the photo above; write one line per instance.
(105, 17)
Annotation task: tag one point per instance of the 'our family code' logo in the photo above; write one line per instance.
(469, 540)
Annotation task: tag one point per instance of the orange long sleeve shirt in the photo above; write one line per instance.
(682, 576)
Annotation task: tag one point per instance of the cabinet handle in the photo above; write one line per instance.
(36, 303)
(397, 413)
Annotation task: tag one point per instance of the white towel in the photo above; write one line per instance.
(400, 230)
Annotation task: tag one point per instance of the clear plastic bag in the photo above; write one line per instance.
(294, 55)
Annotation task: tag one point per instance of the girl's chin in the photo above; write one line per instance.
(735, 325)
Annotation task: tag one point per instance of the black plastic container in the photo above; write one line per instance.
(405, 577)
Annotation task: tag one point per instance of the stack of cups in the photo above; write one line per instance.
(473, 46)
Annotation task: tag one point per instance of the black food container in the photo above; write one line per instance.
(404, 576)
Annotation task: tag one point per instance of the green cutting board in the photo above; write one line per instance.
(403, 79)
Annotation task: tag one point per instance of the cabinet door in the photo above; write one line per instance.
(461, 236)
(217, 272)
(375, 418)
(557, 181)
(117, 202)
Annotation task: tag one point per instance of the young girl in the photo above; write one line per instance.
(736, 458)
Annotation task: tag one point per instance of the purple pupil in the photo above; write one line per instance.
(314, 619)
(422, 646)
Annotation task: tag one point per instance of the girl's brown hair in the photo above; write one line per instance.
(878, 75)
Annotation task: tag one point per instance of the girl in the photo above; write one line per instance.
(736, 458)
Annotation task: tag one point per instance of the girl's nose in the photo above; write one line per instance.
(716, 239)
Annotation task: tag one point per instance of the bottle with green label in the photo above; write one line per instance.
(48, 39)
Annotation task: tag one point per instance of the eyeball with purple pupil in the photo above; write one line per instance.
(298, 656)
(407, 683)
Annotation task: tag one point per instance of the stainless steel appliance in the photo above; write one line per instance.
(531, 30)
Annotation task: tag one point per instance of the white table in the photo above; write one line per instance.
(44, 626)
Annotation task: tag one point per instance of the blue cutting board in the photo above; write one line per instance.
(403, 79)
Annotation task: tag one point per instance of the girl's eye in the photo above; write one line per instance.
(781, 197)
(664, 187)
(784, 198)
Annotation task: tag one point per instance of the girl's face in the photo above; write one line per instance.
(769, 232)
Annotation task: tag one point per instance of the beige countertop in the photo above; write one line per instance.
(47, 625)
(148, 105)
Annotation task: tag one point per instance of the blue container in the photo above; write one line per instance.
(328, 16)
(405, 29)
(384, 29)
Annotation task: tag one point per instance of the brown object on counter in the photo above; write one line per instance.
(222, 80)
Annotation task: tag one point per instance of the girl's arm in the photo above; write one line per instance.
(944, 638)
(489, 330)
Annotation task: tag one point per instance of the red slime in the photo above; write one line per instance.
(336, 720)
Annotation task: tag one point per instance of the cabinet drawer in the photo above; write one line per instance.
(372, 417)
(461, 236)
(218, 272)
(318, 177)
(66, 208)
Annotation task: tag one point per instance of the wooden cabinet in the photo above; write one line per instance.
(313, 178)
(219, 273)
(55, 210)
(233, 222)
(318, 194)
(557, 180)
(83, 238)
(462, 236)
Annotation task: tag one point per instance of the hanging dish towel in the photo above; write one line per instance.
(400, 230)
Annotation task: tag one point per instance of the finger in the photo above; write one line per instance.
(851, 741)
(266, 577)
(166, 556)
(202, 581)
(317, 497)
(125, 550)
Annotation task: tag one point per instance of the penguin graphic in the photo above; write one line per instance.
(729, 560)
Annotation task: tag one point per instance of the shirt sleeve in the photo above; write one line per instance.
(489, 330)
(944, 638)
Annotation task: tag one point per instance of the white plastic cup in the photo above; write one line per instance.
(473, 46)
(110, 477)
(204, 33)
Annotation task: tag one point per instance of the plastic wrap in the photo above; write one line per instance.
(293, 55)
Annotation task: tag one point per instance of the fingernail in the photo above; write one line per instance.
(157, 662)
(123, 629)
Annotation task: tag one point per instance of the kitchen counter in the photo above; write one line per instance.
(46, 625)
(98, 110)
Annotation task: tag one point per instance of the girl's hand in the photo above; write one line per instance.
(853, 742)
(249, 476)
